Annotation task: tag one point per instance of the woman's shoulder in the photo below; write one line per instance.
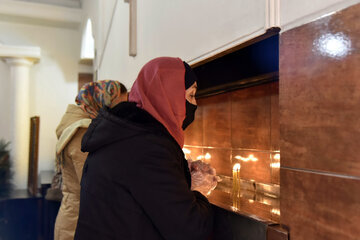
(135, 116)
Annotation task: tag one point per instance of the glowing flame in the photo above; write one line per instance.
(236, 167)
(249, 158)
(275, 165)
(200, 157)
(207, 156)
(234, 208)
(186, 151)
(275, 211)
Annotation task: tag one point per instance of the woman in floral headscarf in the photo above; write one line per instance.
(70, 160)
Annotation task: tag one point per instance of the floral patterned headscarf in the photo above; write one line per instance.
(95, 95)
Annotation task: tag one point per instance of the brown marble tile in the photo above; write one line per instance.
(216, 117)
(275, 168)
(250, 119)
(256, 168)
(194, 132)
(220, 159)
(275, 117)
(320, 94)
(320, 207)
(193, 153)
(277, 233)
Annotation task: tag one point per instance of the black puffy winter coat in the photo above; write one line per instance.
(136, 183)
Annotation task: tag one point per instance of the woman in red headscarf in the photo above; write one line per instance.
(136, 183)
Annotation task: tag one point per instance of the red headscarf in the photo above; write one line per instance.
(160, 90)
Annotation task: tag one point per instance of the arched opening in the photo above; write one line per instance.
(87, 44)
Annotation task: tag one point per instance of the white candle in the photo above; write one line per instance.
(236, 178)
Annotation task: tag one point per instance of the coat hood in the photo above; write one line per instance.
(73, 114)
(160, 90)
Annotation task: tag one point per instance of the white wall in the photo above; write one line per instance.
(191, 30)
(4, 102)
(186, 29)
(53, 80)
(295, 13)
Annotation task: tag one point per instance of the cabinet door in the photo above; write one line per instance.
(3, 220)
(21, 219)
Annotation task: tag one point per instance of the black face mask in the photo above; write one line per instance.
(190, 114)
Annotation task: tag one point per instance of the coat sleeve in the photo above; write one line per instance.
(158, 184)
(77, 156)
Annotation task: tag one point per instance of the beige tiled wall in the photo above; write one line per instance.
(232, 126)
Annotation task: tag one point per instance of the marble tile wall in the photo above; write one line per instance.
(320, 128)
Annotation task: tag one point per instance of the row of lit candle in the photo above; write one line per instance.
(250, 157)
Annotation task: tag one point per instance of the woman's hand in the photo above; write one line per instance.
(203, 177)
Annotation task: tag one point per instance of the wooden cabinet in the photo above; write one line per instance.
(20, 216)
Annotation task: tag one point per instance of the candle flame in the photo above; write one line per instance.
(200, 157)
(207, 156)
(234, 208)
(275, 211)
(275, 165)
(277, 156)
(249, 158)
(186, 151)
(236, 167)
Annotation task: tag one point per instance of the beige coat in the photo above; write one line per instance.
(70, 131)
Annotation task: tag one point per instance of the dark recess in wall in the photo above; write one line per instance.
(251, 65)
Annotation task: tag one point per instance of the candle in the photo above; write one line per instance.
(236, 179)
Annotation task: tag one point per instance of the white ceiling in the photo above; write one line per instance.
(63, 3)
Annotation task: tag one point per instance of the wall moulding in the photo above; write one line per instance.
(20, 52)
(272, 13)
(40, 14)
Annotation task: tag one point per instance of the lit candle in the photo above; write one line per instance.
(236, 179)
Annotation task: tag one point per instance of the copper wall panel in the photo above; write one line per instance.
(276, 233)
(194, 154)
(319, 206)
(275, 117)
(275, 168)
(242, 119)
(220, 159)
(258, 209)
(250, 118)
(320, 94)
(216, 117)
(255, 168)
